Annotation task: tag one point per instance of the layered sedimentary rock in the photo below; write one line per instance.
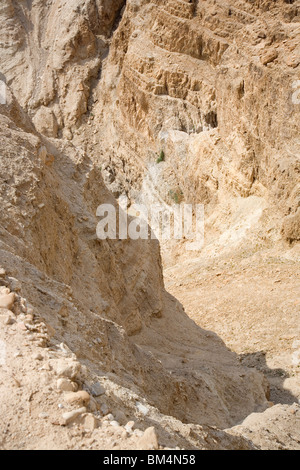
(104, 87)
(214, 85)
(87, 288)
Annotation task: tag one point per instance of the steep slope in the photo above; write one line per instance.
(112, 290)
(106, 88)
(213, 84)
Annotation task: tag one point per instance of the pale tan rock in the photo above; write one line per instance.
(66, 385)
(129, 426)
(71, 416)
(269, 57)
(4, 290)
(51, 331)
(78, 398)
(10, 320)
(89, 422)
(149, 440)
(45, 122)
(68, 368)
(7, 301)
(271, 429)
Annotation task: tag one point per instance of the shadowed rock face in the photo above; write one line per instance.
(87, 288)
(212, 84)
(99, 87)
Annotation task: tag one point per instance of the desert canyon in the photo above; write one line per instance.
(142, 344)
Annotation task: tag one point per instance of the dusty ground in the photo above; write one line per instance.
(40, 383)
(253, 305)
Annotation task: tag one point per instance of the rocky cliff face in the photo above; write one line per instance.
(211, 84)
(103, 87)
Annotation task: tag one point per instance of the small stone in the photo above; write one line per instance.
(43, 415)
(38, 357)
(18, 354)
(22, 326)
(29, 318)
(89, 422)
(60, 406)
(114, 423)
(15, 285)
(129, 427)
(93, 406)
(66, 385)
(97, 390)
(51, 331)
(149, 440)
(78, 398)
(70, 416)
(142, 408)
(23, 305)
(269, 57)
(68, 368)
(104, 409)
(110, 417)
(9, 320)
(4, 290)
(7, 301)
(30, 310)
(2, 273)
(262, 35)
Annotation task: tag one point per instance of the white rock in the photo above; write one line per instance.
(70, 416)
(138, 433)
(114, 423)
(129, 427)
(142, 408)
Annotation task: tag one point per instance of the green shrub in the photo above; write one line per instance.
(176, 196)
(161, 157)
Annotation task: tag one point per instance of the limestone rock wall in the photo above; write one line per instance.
(214, 85)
